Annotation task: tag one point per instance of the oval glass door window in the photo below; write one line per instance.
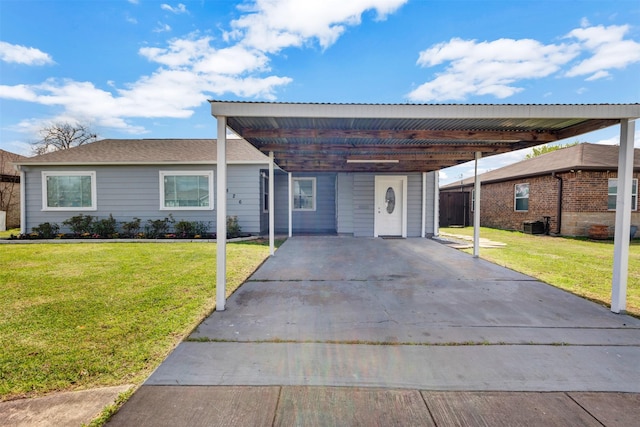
(390, 199)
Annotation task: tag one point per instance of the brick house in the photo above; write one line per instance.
(574, 187)
(9, 190)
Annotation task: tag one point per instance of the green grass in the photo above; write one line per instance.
(76, 316)
(6, 234)
(580, 266)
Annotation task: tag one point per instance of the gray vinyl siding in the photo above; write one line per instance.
(243, 196)
(414, 205)
(432, 197)
(364, 200)
(345, 203)
(321, 220)
(134, 191)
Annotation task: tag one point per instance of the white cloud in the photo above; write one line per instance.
(615, 140)
(487, 68)
(181, 8)
(272, 25)
(473, 68)
(162, 28)
(598, 75)
(608, 48)
(193, 68)
(23, 55)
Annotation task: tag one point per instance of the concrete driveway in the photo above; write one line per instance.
(405, 314)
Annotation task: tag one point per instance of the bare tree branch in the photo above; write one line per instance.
(62, 136)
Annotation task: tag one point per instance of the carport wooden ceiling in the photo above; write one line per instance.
(405, 137)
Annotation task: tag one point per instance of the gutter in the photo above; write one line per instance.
(559, 208)
(143, 163)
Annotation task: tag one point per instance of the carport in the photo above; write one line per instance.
(397, 138)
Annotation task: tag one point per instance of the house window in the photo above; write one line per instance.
(191, 190)
(304, 194)
(69, 191)
(473, 200)
(265, 193)
(613, 191)
(521, 197)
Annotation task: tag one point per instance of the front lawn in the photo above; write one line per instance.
(8, 233)
(77, 316)
(581, 266)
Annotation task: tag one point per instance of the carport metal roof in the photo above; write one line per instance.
(422, 138)
(405, 137)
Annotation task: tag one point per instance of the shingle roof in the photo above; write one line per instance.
(582, 156)
(9, 158)
(138, 151)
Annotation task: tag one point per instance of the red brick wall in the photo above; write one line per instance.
(497, 207)
(584, 202)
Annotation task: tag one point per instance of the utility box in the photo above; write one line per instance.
(533, 227)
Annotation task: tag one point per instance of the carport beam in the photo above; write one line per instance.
(221, 218)
(623, 218)
(476, 210)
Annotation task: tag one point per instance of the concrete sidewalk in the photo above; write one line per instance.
(344, 331)
(70, 409)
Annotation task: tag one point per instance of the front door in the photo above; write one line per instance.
(390, 212)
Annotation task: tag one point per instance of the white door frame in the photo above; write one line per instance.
(403, 179)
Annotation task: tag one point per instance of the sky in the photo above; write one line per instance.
(145, 69)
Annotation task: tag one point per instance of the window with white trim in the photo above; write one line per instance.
(521, 203)
(186, 190)
(304, 194)
(69, 191)
(613, 192)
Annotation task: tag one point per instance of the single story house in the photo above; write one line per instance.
(142, 178)
(574, 187)
(152, 178)
(9, 190)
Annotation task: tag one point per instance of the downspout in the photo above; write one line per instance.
(559, 208)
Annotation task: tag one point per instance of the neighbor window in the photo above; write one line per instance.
(191, 190)
(613, 191)
(304, 194)
(521, 197)
(473, 200)
(69, 191)
(265, 193)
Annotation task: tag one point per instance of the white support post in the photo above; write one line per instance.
(271, 207)
(476, 210)
(623, 218)
(221, 218)
(423, 233)
(290, 205)
(23, 202)
(436, 204)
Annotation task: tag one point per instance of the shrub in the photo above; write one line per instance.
(201, 228)
(233, 228)
(80, 224)
(105, 227)
(132, 227)
(158, 227)
(185, 228)
(46, 230)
